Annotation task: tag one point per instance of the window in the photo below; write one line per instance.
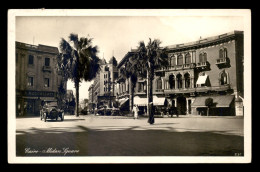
(225, 53)
(172, 82)
(159, 83)
(179, 81)
(188, 58)
(203, 57)
(30, 81)
(173, 61)
(223, 78)
(47, 61)
(180, 60)
(46, 82)
(30, 60)
(104, 88)
(187, 80)
(200, 57)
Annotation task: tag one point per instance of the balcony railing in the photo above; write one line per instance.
(221, 61)
(46, 68)
(198, 89)
(201, 64)
(189, 66)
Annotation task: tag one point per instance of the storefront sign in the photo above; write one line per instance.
(39, 93)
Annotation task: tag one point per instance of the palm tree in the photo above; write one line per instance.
(130, 71)
(78, 61)
(150, 58)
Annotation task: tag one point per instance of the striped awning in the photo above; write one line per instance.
(218, 101)
(123, 101)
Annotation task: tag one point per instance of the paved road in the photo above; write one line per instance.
(123, 136)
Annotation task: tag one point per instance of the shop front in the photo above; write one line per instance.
(30, 102)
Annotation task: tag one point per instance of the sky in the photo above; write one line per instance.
(116, 35)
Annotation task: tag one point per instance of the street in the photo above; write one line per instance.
(91, 135)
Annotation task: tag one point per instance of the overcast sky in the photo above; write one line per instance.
(120, 34)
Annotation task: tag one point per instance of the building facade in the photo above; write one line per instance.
(207, 68)
(36, 77)
(102, 91)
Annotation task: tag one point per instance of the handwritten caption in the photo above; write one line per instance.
(63, 151)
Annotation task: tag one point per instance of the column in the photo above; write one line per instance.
(176, 59)
(183, 58)
(187, 106)
(175, 102)
(176, 83)
(191, 56)
(163, 84)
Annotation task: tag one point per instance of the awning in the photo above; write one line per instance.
(202, 79)
(218, 101)
(158, 100)
(123, 101)
(140, 101)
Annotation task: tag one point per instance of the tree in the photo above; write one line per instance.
(130, 70)
(208, 103)
(78, 61)
(150, 58)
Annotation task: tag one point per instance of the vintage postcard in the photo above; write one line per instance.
(129, 86)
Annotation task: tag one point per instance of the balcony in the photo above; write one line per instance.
(202, 65)
(189, 66)
(159, 91)
(178, 67)
(46, 68)
(222, 62)
(179, 90)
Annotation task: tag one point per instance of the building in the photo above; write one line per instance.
(102, 91)
(207, 68)
(36, 77)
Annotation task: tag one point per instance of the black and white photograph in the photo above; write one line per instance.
(129, 86)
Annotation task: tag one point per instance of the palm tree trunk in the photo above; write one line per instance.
(150, 110)
(77, 97)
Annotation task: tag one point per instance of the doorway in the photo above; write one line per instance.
(181, 105)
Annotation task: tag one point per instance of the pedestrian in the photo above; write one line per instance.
(135, 110)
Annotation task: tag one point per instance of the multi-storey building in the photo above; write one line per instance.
(207, 68)
(102, 92)
(36, 76)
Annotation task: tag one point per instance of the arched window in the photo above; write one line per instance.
(223, 78)
(187, 80)
(169, 61)
(180, 60)
(172, 82)
(221, 53)
(201, 57)
(204, 57)
(225, 52)
(188, 58)
(159, 83)
(179, 80)
(173, 61)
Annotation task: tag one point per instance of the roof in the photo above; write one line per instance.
(218, 101)
(207, 40)
(39, 48)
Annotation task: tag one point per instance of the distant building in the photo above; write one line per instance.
(36, 77)
(208, 68)
(102, 91)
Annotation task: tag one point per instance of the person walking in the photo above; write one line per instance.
(135, 110)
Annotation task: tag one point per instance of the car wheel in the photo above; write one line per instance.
(45, 116)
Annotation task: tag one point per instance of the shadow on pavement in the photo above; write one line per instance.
(83, 141)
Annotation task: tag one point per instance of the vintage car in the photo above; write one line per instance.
(50, 110)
